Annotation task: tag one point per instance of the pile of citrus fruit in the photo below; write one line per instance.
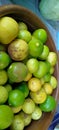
(27, 78)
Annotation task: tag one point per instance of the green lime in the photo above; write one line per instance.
(28, 106)
(48, 65)
(4, 60)
(40, 34)
(32, 65)
(35, 47)
(16, 98)
(47, 77)
(17, 72)
(3, 77)
(3, 94)
(49, 104)
(25, 35)
(42, 70)
(6, 116)
(24, 88)
(22, 26)
(44, 53)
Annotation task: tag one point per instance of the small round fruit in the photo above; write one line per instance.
(44, 53)
(48, 88)
(22, 26)
(34, 84)
(52, 70)
(16, 98)
(28, 76)
(42, 70)
(26, 117)
(52, 58)
(53, 82)
(49, 105)
(6, 116)
(4, 60)
(3, 94)
(35, 48)
(32, 65)
(3, 77)
(23, 86)
(18, 123)
(18, 50)
(17, 72)
(28, 106)
(25, 35)
(8, 29)
(40, 34)
(37, 113)
(8, 87)
(16, 109)
(47, 77)
(39, 96)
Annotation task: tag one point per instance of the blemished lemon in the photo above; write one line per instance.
(18, 50)
(39, 96)
(26, 117)
(37, 113)
(34, 84)
(18, 123)
(48, 88)
(28, 76)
